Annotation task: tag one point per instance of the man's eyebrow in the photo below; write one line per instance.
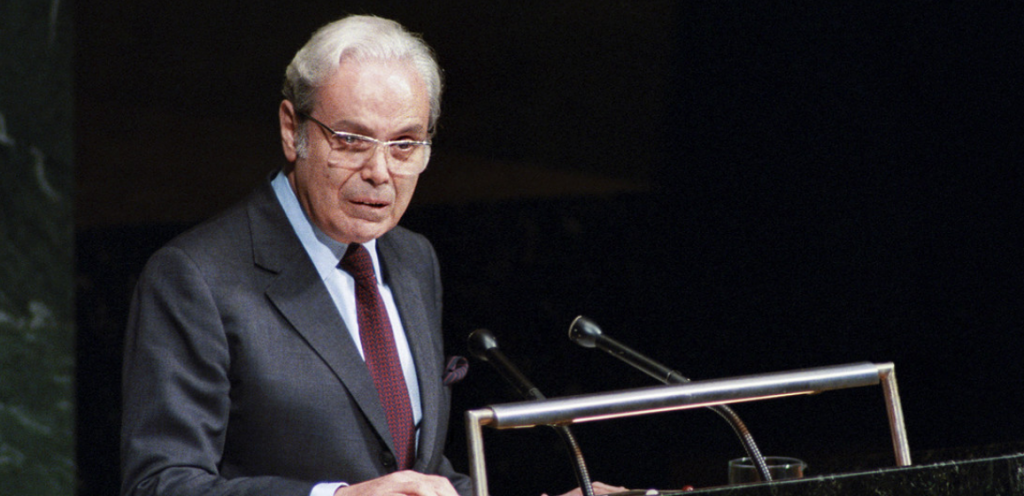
(357, 128)
(350, 126)
(413, 128)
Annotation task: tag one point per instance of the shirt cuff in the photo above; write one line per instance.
(326, 488)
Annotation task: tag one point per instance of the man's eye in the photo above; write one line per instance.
(352, 142)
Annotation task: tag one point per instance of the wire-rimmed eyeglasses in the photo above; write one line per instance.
(403, 157)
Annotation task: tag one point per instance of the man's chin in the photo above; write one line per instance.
(362, 230)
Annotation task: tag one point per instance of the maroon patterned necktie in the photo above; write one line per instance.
(381, 354)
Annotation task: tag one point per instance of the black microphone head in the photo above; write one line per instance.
(584, 332)
(480, 342)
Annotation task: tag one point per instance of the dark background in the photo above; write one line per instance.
(731, 187)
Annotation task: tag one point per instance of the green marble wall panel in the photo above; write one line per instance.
(36, 255)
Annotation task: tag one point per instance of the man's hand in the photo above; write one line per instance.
(405, 483)
(599, 488)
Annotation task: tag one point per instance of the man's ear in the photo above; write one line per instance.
(289, 129)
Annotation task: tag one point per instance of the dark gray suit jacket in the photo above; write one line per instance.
(239, 374)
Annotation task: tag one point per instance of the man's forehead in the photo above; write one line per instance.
(374, 93)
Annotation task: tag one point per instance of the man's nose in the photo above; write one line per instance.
(375, 169)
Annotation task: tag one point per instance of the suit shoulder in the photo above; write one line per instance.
(224, 237)
(408, 243)
(226, 231)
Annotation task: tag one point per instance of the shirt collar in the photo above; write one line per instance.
(324, 251)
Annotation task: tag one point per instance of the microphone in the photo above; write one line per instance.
(587, 334)
(484, 346)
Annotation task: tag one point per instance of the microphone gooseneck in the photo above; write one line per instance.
(587, 334)
(484, 346)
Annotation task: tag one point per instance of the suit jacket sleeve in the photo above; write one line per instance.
(177, 389)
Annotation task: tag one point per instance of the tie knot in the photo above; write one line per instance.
(357, 262)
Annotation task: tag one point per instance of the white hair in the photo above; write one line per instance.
(358, 38)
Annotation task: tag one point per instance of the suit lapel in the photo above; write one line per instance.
(417, 325)
(299, 294)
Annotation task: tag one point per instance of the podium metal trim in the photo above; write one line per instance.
(696, 394)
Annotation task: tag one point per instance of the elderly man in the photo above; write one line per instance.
(292, 345)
